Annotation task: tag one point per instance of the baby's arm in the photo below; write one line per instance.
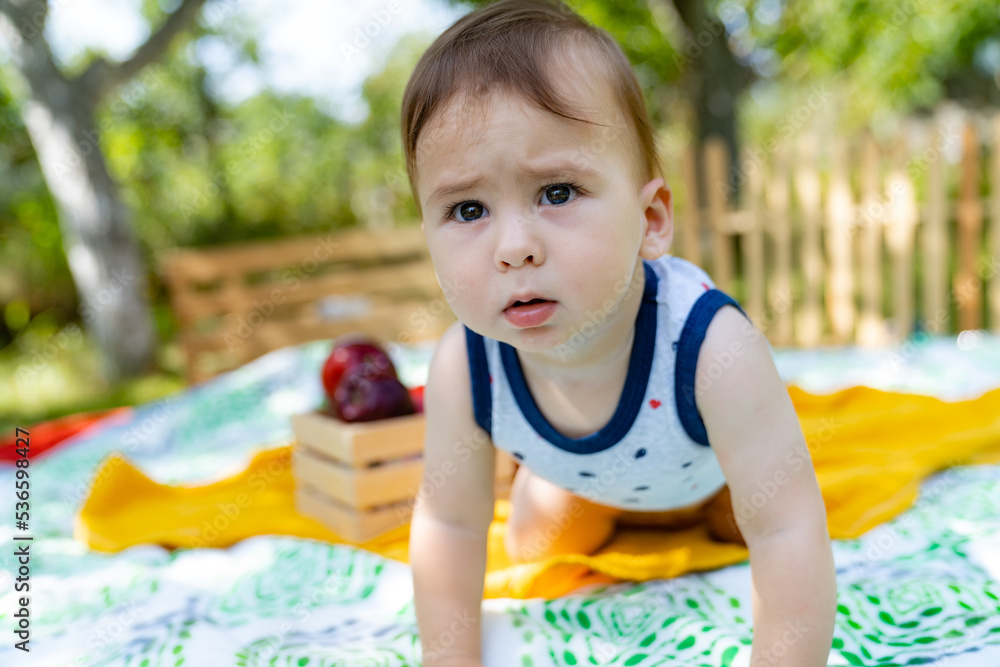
(754, 431)
(452, 514)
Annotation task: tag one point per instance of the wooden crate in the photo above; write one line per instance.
(361, 479)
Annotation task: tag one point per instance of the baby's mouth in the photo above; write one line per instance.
(528, 303)
(524, 306)
(530, 313)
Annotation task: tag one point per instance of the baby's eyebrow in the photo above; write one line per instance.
(526, 175)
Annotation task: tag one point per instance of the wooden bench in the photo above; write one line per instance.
(238, 302)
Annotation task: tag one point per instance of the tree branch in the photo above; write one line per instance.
(23, 24)
(717, 82)
(102, 76)
(698, 19)
(27, 16)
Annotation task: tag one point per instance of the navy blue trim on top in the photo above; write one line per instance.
(479, 371)
(688, 346)
(629, 403)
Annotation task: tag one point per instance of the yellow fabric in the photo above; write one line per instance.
(870, 449)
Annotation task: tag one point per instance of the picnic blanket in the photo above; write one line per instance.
(923, 586)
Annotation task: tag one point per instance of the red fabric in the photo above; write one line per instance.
(47, 435)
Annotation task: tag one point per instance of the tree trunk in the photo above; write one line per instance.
(104, 258)
(718, 80)
(107, 266)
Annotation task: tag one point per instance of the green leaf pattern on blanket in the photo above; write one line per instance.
(640, 624)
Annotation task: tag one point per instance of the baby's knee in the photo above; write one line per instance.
(524, 542)
(530, 535)
(546, 536)
(721, 522)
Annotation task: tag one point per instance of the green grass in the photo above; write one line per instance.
(49, 372)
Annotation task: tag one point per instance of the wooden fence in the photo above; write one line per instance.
(831, 244)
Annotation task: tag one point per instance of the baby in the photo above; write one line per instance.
(627, 387)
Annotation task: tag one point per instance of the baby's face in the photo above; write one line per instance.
(519, 203)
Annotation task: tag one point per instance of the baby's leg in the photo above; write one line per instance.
(715, 512)
(721, 519)
(546, 520)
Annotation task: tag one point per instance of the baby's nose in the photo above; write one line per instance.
(518, 245)
(517, 258)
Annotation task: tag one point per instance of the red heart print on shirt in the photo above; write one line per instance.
(654, 403)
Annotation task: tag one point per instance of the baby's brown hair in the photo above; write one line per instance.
(504, 46)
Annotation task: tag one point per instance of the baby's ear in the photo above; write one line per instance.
(658, 219)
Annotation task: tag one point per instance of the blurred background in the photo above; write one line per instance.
(132, 128)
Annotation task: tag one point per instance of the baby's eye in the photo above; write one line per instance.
(559, 193)
(469, 211)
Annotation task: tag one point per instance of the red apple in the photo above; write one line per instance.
(354, 351)
(360, 397)
(417, 394)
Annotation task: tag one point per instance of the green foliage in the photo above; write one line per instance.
(878, 58)
(53, 370)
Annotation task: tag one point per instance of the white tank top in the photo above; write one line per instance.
(654, 453)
